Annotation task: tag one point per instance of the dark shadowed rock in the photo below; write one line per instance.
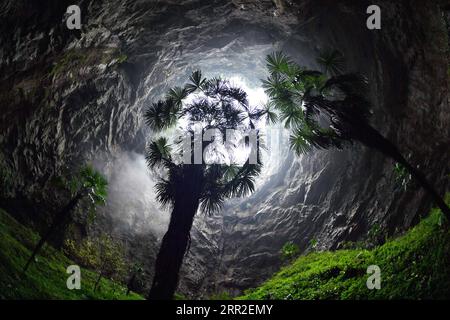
(72, 96)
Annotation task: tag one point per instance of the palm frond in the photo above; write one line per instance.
(212, 194)
(271, 114)
(305, 139)
(94, 183)
(158, 153)
(278, 62)
(165, 192)
(162, 115)
(275, 85)
(349, 84)
(299, 143)
(332, 61)
(216, 87)
(243, 183)
(211, 202)
(238, 95)
(177, 95)
(230, 171)
(196, 82)
(292, 116)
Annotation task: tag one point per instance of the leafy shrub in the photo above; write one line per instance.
(402, 177)
(375, 236)
(102, 254)
(289, 251)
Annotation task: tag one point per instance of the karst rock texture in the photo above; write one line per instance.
(71, 96)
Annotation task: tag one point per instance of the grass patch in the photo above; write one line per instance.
(414, 266)
(46, 278)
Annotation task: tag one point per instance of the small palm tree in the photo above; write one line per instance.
(328, 109)
(87, 184)
(201, 105)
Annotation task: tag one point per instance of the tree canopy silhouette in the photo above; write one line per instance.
(329, 109)
(186, 184)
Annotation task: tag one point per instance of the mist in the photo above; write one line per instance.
(131, 196)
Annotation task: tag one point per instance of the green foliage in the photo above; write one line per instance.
(402, 176)
(111, 257)
(204, 104)
(86, 253)
(88, 182)
(122, 58)
(319, 107)
(94, 183)
(70, 58)
(332, 61)
(46, 278)
(375, 236)
(272, 115)
(414, 266)
(158, 152)
(313, 243)
(102, 254)
(162, 115)
(289, 251)
(74, 59)
(179, 296)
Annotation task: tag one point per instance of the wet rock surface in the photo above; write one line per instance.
(73, 96)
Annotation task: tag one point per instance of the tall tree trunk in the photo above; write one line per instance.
(58, 220)
(370, 137)
(176, 239)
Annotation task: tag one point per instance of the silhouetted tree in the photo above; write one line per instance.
(202, 105)
(136, 272)
(87, 184)
(329, 109)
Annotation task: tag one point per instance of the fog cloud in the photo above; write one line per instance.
(131, 196)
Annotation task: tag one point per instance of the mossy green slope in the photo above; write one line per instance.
(414, 266)
(46, 278)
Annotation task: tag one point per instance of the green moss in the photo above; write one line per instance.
(180, 296)
(414, 266)
(46, 278)
(70, 58)
(289, 251)
(74, 59)
(122, 58)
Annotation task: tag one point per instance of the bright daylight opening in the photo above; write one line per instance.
(232, 150)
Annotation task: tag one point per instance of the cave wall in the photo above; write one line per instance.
(323, 200)
(74, 96)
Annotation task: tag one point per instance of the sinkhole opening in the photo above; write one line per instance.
(133, 205)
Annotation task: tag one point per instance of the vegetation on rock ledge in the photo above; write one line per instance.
(414, 266)
(46, 278)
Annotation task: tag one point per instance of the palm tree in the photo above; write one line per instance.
(329, 109)
(188, 185)
(87, 184)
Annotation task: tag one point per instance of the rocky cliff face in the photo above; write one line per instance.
(74, 96)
